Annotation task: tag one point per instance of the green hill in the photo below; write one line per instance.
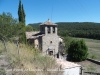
(76, 29)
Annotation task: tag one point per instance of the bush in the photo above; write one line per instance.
(67, 41)
(77, 50)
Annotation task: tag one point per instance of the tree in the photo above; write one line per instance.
(67, 41)
(63, 33)
(7, 25)
(21, 32)
(21, 15)
(28, 28)
(20, 12)
(78, 50)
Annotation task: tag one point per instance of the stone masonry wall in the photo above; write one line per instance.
(46, 42)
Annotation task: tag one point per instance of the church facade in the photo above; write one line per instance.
(46, 39)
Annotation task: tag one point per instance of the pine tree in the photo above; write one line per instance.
(78, 51)
(21, 16)
(21, 13)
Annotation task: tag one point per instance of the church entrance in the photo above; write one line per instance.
(50, 52)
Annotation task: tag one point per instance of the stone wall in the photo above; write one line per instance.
(50, 41)
(94, 61)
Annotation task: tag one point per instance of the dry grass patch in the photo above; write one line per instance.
(29, 60)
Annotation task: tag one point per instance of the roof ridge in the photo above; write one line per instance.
(48, 22)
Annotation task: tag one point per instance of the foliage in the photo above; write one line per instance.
(77, 50)
(63, 33)
(35, 26)
(83, 29)
(77, 29)
(67, 41)
(21, 16)
(28, 28)
(21, 32)
(21, 13)
(8, 25)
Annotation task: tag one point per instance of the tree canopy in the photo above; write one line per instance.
(21, 12)
(77, 50)
(11, 27)
(8, 25)
(21, 16)
(28, 28)
(76, 29)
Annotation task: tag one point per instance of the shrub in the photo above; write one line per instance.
(67, 41)
(77, 50)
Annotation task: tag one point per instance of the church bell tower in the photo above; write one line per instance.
(50, 39)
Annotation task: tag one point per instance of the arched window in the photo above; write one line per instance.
(53, 29)
(49, 29)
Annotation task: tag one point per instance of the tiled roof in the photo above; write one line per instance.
(33, 34)
(64, 64)
(48, 22)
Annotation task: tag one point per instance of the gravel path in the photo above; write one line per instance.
(3, 61)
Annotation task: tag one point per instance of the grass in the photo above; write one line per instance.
(2, 71)
(28, 59)
(93, 47)
(91, 68)
(1, 48)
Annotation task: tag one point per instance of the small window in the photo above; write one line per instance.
(51, 42)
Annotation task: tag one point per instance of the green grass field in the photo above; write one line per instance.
(94, 53)
(93, 47)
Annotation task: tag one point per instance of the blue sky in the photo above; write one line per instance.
(61, 10)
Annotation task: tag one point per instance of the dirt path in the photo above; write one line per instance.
(3, 64)
(3, 61)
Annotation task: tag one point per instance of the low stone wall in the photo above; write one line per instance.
(94, 61)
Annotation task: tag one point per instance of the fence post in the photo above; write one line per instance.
(17, 42)
(81, 71)
(4, 44)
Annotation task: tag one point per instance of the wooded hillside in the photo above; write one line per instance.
(76, 29)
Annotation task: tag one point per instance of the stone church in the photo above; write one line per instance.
(46, 39)
(50, 43)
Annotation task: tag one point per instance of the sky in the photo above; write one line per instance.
(55, 10)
